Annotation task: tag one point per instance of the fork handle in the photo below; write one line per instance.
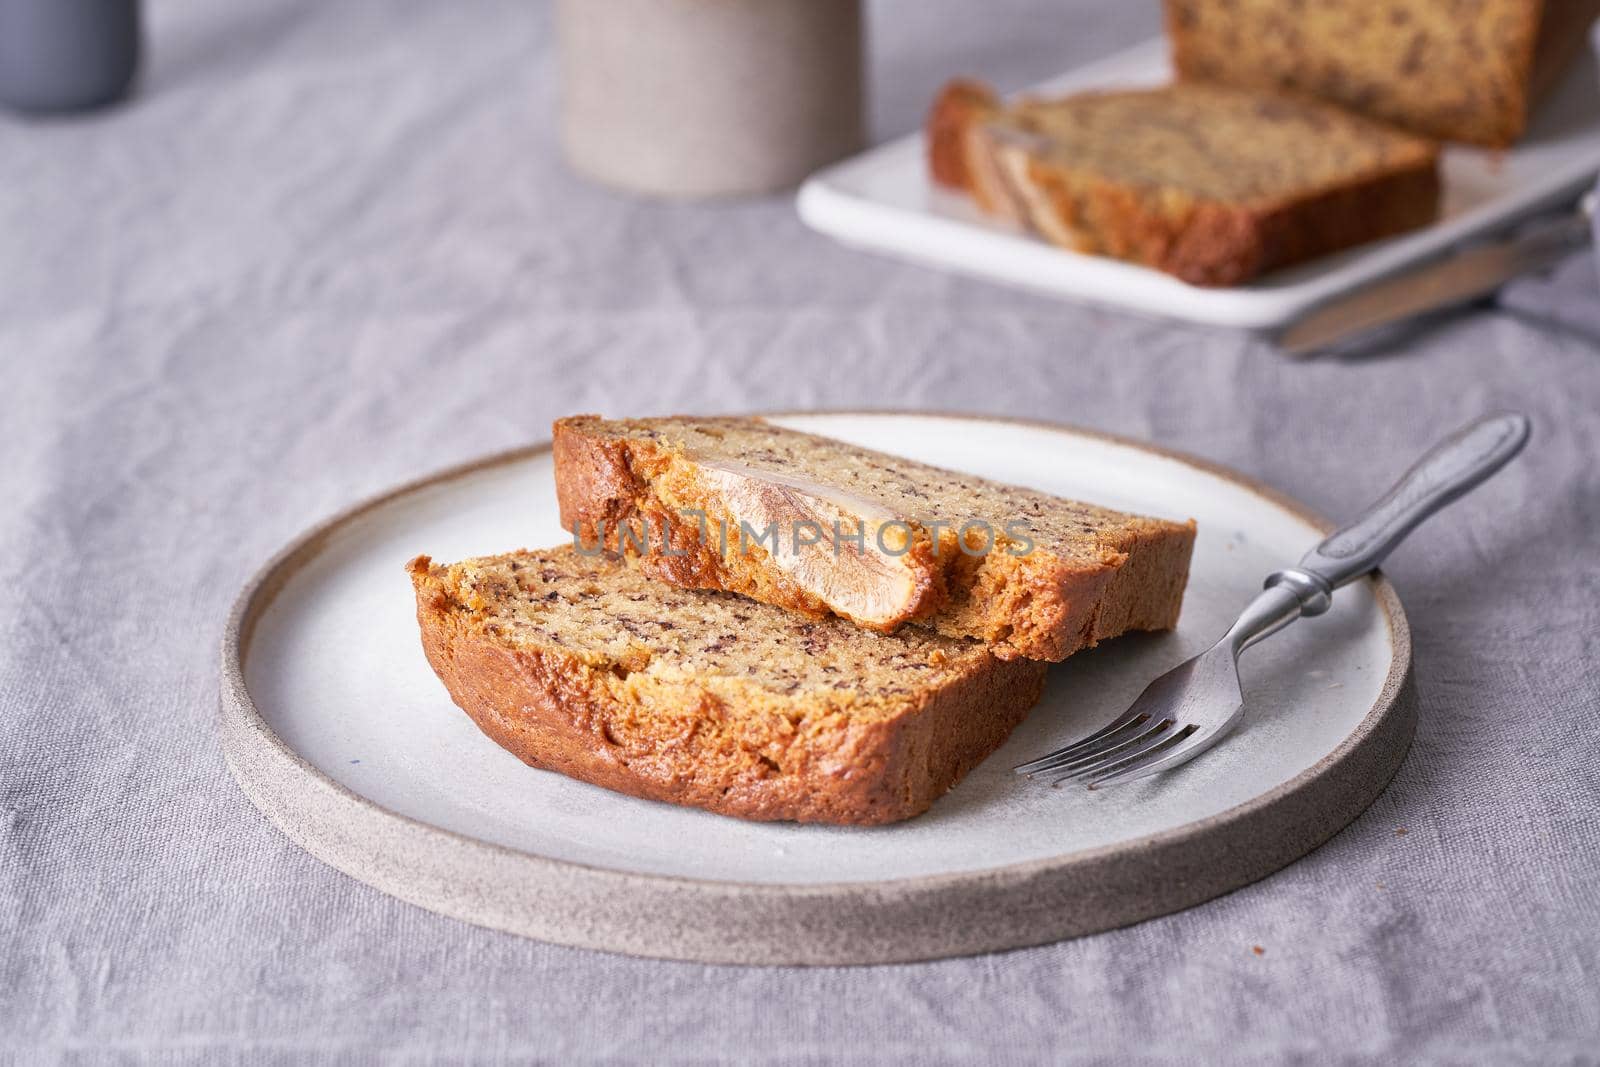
(1455, 466)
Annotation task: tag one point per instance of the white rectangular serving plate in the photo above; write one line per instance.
(883, 201)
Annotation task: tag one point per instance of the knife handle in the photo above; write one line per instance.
(1454, 467)
(1469, 273)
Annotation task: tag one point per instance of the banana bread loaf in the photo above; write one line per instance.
(821, 526)
(583, 666)
(1211, 184)
(1454, 71)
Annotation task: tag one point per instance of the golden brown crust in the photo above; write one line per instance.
(1049, 612)
(1042, 605)
(1146, 591)
(682, 741)
(1222, 246)
(960, 104)
(595, 483)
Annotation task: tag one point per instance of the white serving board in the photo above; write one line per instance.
(337, 727)
(883, 201)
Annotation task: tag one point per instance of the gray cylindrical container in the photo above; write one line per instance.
(67, 55)
(694, 98)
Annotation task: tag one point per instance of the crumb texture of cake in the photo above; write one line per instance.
(1453, 71)
(583, 665)
(1212, 184)
(870, 537)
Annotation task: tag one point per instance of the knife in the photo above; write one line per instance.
(1474, 271)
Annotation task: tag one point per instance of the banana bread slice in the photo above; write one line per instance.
(821, 526)
(1458, 72)
(584, 666)
(1211, 184)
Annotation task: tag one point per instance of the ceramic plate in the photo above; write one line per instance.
(335, 725)
(882, 200)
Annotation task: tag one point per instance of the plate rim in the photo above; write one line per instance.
(263, 764)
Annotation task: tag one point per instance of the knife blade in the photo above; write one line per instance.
(1458, 278)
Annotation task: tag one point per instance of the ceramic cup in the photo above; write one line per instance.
(696, 98)
(1594, 216)
(67, 55)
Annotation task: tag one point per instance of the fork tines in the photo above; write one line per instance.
(1121, 749)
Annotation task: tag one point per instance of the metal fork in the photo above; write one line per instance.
(1191, 707)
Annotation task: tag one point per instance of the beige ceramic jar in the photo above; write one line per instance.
(693, 98)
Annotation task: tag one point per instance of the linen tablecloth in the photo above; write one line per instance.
(331, 245)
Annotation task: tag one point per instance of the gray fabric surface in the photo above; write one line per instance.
(331, 246)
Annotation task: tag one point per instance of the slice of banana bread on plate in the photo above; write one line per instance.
(821, 526)
(583, 665)
(1212, 184)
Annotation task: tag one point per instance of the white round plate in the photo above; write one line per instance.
(335, 725)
